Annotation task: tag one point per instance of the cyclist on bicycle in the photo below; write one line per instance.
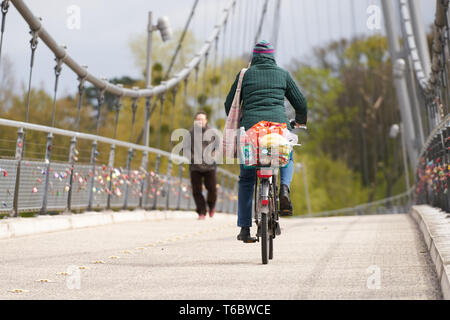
(264, 87)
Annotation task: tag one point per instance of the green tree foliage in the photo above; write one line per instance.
(352, 107)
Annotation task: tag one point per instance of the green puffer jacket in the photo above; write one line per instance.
(264, 88)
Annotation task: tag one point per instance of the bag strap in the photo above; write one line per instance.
(239, 89)
(237, 94)
(241, 78)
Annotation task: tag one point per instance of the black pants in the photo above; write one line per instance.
(197, 187)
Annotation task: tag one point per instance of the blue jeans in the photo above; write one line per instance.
(247, 180)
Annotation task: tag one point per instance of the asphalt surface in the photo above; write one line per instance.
(358, 257)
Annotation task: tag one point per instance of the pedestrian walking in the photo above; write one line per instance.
(203, 167)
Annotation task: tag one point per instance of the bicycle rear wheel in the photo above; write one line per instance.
(264, 239)
(270, 247)
(273, 211)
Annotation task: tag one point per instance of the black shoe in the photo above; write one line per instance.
(277, 229)
(245, 237)
(285, 202)
(258, 232)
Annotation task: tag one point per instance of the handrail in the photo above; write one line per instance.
(87, 136)
(433, 133)
(92, 137)
(62, 54)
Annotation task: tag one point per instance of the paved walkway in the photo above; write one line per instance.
(372, 257)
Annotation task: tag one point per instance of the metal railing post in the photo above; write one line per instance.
(144, 162)
(189, 198)
(127, 184)
(48, 152)
(155, 193)
(73, 144)
(180, 189)
(222, 200)
(169, 180)
(92, 178)
(112, 153)
(18, 157)
(94, 152)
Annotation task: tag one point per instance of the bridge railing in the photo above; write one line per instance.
(397, 204)
(433, 170)
(40, 186)
(432, 174)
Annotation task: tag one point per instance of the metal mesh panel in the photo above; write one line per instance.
(134, 188)
(161, 187)
(31, 188)
(219, 203)
(173, 192)
(58, 186)
(80, 187)
(184, 194)
(118, 188)
(146, 200)
(8, 170)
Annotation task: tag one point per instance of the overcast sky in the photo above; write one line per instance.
(102, 42)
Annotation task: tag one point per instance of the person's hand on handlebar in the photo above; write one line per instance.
(296, 125)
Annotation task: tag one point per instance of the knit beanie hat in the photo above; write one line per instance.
(263, 47)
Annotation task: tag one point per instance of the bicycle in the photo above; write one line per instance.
(266, 204)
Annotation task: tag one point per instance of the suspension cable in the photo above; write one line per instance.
(305, 31)
(224, 45)
(171, 123)
(276, 24)
(355, 28)
(215, 83)
(81, 90)
(117, 107)
(196, 88)
(134, 106)
(185, 97)
(305, 23)
(245, 25)
(100, 101)
(230, 43)
(33, 44)
(162, 99)
(180, 42)
(58, 69)
(4, 8)
(264, 11)
(319, 29)
(205, 76)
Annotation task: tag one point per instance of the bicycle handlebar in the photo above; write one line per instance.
(296, 128)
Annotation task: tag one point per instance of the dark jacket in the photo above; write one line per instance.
(202, 167)
(264, 87)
